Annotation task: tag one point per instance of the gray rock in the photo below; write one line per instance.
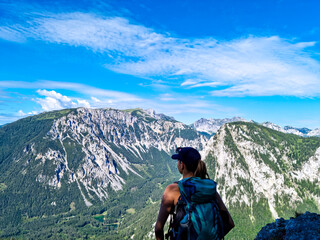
(305, 226)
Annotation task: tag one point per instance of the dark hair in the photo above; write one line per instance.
(192, 167)
(201, 170)
(192, 160)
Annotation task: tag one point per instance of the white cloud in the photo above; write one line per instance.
(54, 95)
(96, 100)
(55, 101)
(83, 103)
(50, 103)
(33, 112)
(252, 66)
(21, 113)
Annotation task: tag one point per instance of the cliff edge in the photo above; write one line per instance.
(305, 226)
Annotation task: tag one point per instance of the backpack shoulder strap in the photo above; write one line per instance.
(185, 193)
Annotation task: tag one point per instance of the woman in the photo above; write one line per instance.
(189, 165)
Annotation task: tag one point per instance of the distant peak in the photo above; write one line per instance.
(211, 126)
(151, 113)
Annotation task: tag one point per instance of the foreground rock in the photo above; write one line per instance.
(306, 226)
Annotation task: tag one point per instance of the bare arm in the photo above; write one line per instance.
(167, 205)
(223, 207)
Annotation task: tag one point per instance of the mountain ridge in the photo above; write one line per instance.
(99, 163)
(210, 126)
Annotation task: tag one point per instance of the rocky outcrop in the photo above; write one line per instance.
(306, 226)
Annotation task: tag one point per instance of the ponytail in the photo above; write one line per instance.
(201, 170)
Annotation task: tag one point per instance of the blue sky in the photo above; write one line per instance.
(189, 59)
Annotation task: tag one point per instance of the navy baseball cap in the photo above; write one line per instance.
(188, 155)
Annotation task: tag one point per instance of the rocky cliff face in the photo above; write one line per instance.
(305, 226)
(107, 143)
(252, 162)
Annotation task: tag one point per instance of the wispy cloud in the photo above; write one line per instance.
(50, 97)
(251, 66)
(167, 97)
(172, 104)
(115, 96)
(12, 33)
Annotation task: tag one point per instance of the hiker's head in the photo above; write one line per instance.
(189, 156)
(191, 159)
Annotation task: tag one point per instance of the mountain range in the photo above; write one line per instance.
(211, 126)
(99, 173)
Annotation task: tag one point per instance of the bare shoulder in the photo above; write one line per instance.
(171, 193)
(172, 187)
